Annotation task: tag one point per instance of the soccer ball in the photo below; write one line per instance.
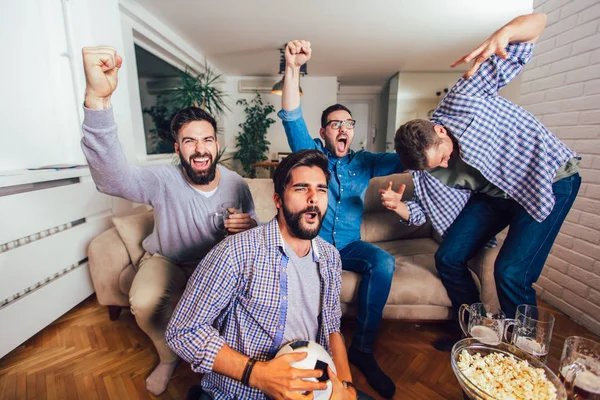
(317, 358)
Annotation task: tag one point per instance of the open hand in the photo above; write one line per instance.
(297, 53)
(391, 199)
(279, 380)
(101, 65)
(496, 44)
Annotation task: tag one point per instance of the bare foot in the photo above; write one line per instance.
(157, 382)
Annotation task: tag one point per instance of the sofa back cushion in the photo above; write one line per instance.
(133, 229)
(262, 194)
(380, 224)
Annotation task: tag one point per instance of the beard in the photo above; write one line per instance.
(294, 222)
(199, 177)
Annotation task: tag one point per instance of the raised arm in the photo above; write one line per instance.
(297, 53)
(100, 143)
(523, 29)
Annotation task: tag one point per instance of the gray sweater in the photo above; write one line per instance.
(184, 230)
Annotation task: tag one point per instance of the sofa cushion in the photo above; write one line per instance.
(385, 226)
(372, 196)
(262, 194)
(415, 280)
(133, 229)
(380, 224)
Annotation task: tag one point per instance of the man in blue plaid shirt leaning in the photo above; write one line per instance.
(483, 163)
(259, 289)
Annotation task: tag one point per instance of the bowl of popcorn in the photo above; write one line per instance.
(503, 372)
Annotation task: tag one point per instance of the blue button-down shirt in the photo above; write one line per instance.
(238, 296)
(507, 144)
(350, 176)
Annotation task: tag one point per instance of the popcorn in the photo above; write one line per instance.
(505, 378)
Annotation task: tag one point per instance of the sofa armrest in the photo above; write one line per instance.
(482, 265)
(107, 258)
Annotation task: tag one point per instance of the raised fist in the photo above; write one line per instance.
(101, 65)
(297, 53)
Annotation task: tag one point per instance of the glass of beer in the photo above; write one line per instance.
(580, 368)
(485, 325)
(532, 330)
(223, 213)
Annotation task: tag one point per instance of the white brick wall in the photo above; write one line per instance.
(561, 87)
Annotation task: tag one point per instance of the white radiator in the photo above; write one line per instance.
(46, 226)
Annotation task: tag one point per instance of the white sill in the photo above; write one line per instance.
(25, 176)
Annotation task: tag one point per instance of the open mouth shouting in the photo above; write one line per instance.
(201, 162)
(341, 143)
(311, 217)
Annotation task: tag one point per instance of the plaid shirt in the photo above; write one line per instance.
(507, 144)
(238, 296)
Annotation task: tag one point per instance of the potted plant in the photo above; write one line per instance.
(194, 90)
(252, 143)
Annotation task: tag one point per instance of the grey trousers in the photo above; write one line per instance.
(155, 291)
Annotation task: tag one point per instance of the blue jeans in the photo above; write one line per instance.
(522, 256)
(377, 269)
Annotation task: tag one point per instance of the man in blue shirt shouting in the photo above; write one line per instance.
(350, 175)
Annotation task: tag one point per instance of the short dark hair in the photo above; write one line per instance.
(411, 141)
(329, 110)
(303, 158)
(187, 115)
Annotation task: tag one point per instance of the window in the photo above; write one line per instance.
(156, 77)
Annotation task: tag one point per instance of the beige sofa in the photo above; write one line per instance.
(417, 292)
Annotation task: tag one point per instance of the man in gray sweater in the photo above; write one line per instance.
(187, 200)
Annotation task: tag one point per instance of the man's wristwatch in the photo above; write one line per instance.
(348, 384)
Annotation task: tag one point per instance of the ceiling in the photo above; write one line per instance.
(361, 42)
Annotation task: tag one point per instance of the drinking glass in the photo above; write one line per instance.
(580, 368)
(487, 326)
(532, 330)
(224, 211)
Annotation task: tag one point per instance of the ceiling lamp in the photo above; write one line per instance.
(278, 87)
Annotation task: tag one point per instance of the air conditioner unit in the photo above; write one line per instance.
(258, 85)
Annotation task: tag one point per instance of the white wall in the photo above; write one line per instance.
(561, 87)
(319, 93)
(41, 121)
(349, 94)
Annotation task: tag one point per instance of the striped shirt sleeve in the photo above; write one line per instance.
(190, 332)
(495, 72)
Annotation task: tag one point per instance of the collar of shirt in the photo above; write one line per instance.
(273, 238)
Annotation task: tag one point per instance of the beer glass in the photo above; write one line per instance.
(487, 326)
(532, 330)
(580, 368)
(223, 212)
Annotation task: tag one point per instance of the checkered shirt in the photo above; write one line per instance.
(507, 144)
(238, 296)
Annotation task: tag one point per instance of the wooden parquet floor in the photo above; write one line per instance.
(83, 355)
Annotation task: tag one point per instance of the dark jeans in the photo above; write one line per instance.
(522, 256)
(377, 269)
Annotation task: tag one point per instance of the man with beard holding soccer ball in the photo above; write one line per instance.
(185, 199)
(263, 288)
